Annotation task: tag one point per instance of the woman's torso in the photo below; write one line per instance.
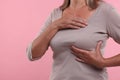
(65, 67)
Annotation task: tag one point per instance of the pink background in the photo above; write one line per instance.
(20, 22)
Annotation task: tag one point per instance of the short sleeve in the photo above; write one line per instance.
(113, 24)
(44, 26)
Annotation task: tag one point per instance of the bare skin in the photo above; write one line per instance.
(44, 39)
(41, 43)
(70, 19)
(94, 58)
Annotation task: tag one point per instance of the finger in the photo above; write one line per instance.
(98, 46)
(77, 24)
(73, 26)
(80, 20)
(82, 51)
(77, 54)
(79, 60)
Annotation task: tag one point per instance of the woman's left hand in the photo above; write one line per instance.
(93, 58)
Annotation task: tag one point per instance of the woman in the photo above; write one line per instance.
(77, 32)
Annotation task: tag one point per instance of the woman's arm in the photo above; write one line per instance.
(95, 58)
(41, 43)
(112, 61)
(113, 28)
(39, 46)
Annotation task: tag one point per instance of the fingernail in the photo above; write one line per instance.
(72, 46)
(86, 23)
(101, 41)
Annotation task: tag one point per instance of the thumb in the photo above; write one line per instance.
(98, 46)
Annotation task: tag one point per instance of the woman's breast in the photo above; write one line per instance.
(85, 38)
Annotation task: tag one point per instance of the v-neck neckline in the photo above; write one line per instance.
(90, 17)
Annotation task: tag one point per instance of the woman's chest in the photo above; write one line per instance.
(83, 12)
(85, 38)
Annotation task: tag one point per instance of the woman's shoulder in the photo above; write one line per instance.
(56, 13)
(57, 10)
(106, 6)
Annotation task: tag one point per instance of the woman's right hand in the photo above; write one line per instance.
(68, 21)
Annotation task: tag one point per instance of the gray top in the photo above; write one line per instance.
(104, 23)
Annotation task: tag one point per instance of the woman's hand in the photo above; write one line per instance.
(69, 21)
(93, 58)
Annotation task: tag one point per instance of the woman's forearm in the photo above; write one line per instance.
(112, 61)
(41, 43)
